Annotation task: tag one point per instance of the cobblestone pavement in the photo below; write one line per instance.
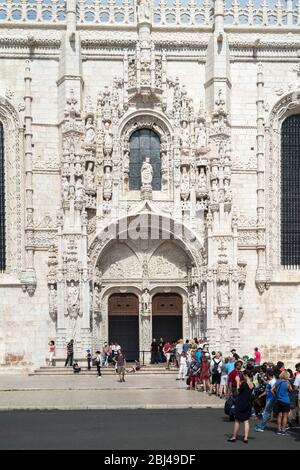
(71, 393)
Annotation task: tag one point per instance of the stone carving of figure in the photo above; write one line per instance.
(147, 173)
(185, 137)
(193, 303)
(215, 192)
(144, 10)
(107, 184)
(108, 138)
(90, 177)
(201, 136)
(97, 298)
(223, 295)
(146, 300)
(185, 184)
(203, 298)
(65, 188)
(80, 191)
(202, 181)
(73, 300)
(90, 134)
(53, 302)
(228, 192)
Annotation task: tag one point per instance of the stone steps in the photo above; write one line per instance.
(62, 371)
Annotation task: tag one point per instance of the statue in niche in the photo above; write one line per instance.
(108, 139)
(228, 192)
(147, 173)
(53, 302)
(78, 169)
(223, 295)
(73, 301)
(202, 181)
(203, 298)
(144, 10)
(185, 138)
(193, 303)
(90, 177)
(201, 136)
(215, 192)
(97, 298)
(185, 184)
(146, 301)
(90, 134)
(65, 188)
(107, 184)
(80, 191)
(66, 169)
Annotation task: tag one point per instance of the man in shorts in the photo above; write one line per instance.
(121, 365)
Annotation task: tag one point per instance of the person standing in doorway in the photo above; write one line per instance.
(70, 353)
(167, 353)
(154, 352)
(160, 350)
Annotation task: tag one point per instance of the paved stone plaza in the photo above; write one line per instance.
(67, 393)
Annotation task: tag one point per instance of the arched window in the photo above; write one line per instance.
(290, 192)
(2, 203)
(144, 143)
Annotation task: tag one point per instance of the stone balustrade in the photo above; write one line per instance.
(165, 13)
(37, 11)
(261, 13)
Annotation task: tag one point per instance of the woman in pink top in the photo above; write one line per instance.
(51, 352)
(257, 357)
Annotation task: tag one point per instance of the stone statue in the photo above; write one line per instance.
(80, 191)
(223, 295)
(108, 138)
(202, 181)
(90, 134)
(146, 301)
(107, 184)
(201, 136)
(73, 301)
(185, 137)
(65, 188)
(144, 10)
(228, 192)
(147, 173)
(97, 298)
(53, 302)
(193, 304)
(90, 177)
(185, 184)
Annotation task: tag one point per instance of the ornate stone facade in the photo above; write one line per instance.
(75, 232)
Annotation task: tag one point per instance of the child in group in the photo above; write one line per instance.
(89, 358)
(183, 368)
(136, 367)
(98, 360)
(76, 368)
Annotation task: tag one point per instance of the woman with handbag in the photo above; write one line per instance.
(281, 390)
(243, 405)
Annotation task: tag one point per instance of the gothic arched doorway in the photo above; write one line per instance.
(123, 323)
(167, 317)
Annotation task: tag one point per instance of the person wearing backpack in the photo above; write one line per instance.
(270, 402)
(216, 366)
(281, 390)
